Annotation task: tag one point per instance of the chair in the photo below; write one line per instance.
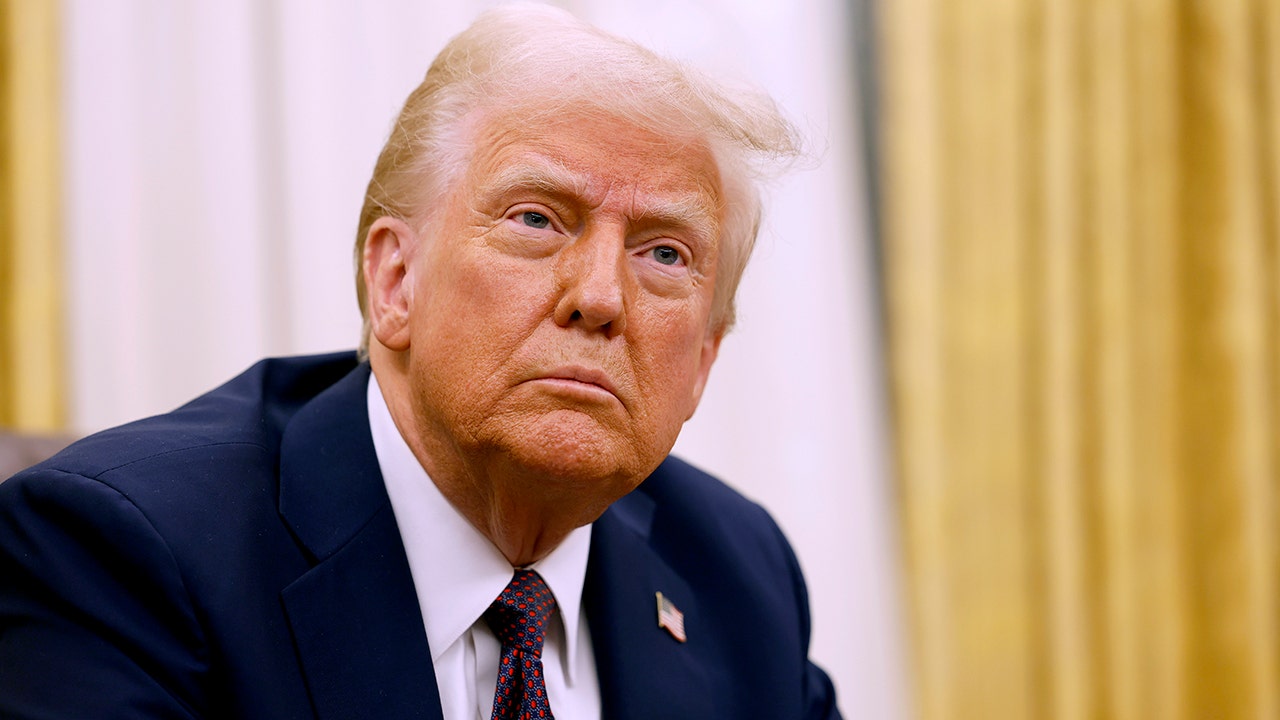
(19, 450)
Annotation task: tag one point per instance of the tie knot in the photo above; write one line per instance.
(520, 614)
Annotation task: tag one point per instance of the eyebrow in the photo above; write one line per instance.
(537, 174)
(690, 210)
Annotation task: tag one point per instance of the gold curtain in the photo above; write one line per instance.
(31, 329)
(1081, 214)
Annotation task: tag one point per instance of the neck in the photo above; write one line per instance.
(526, 514)
(508, 505)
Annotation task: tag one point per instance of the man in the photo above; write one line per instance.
(481, 520)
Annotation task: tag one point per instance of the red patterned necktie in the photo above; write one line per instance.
(520, 617)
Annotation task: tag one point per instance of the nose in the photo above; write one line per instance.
(593, 274)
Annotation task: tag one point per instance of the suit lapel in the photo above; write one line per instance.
(644, 671)
(355, 618)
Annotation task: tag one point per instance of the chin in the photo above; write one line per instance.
(574, 448)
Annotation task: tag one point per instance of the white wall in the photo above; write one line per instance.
(216, 161)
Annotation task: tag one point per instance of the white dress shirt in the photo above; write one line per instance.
(457, 573)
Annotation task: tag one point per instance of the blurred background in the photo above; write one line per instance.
(182, 183)
(1006, 362)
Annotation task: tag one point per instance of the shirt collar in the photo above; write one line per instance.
(456, 571)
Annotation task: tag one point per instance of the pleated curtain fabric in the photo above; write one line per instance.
(32, 383)
(1081, 208)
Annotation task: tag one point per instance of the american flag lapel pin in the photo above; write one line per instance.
(670, 618)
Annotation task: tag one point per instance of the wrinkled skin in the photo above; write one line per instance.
(542, 334)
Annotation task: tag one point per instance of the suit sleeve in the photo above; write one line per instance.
(95, 621)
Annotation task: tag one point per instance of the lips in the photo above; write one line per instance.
(583, 378)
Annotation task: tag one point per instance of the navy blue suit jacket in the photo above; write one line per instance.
(238, 557)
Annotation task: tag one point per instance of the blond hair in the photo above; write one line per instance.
(522, 49)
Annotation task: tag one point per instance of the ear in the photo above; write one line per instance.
(710, 349)
(387, 249)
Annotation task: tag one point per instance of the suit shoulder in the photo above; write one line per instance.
(247, 412)
(678, 486)
(204, 473)
(693, 509)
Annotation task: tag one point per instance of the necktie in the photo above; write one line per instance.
(519, 618)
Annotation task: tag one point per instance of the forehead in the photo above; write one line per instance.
(600, 159)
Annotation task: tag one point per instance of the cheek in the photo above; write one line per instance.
(478, 297)
(673, 361)
(470, 319)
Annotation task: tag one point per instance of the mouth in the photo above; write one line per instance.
(578, 381)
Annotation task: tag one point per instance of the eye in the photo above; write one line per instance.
(535, 220)
(666, 255)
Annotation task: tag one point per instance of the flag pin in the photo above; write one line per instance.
(670, 618)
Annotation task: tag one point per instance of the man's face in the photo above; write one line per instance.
(560, 299)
